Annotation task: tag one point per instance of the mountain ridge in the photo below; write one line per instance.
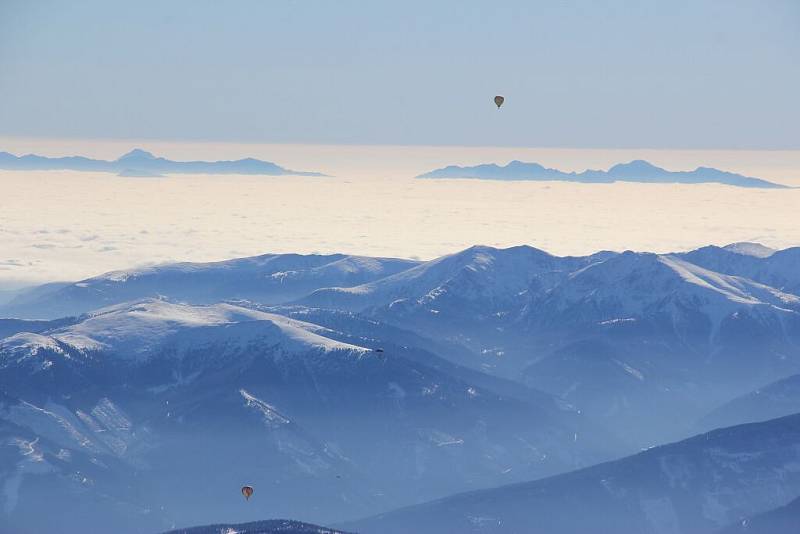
(270, 278)
(141, 163)
(638, 171)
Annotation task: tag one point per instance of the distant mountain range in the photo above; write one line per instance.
(636, 171)
(140, 163)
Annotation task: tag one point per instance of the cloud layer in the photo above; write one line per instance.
(64, 225)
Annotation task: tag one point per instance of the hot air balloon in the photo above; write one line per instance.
(247, 491)
(498, 101)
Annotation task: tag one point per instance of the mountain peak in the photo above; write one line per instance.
(638, 167)
(137, 154)
(750, 249)
(635, 164)
(516, 164)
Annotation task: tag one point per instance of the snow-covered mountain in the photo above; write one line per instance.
(778, 269)
(10, 327)
(479, 275)
(634, 171)
(270, 278)
(625, 283)
(48, 455)
(640, 335)
(622, 335)
(472, 297)
(625, 336)
(255, 397)
(301, 375)
(747, 248)
(694, 486)
(353, 328)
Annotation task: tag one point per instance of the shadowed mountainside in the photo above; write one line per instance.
(691, 487)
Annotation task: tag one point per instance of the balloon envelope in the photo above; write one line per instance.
(498, 100)
(247, 491)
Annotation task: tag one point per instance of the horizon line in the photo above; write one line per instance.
(192, 140)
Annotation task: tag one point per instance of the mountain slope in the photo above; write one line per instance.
(783, 520)
(350, 327)
(623, 336)
(641, 335)
(270, 278)
(750, 249)
(9, 327)
(475, 273)
(778, 269)
(76, 482)
(467, 298)
(767, 402)
(693, 486)
(280, 403)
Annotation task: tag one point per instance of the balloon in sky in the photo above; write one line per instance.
(247, 491)
(498, 101)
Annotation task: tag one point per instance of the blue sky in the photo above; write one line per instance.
(677, 74)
